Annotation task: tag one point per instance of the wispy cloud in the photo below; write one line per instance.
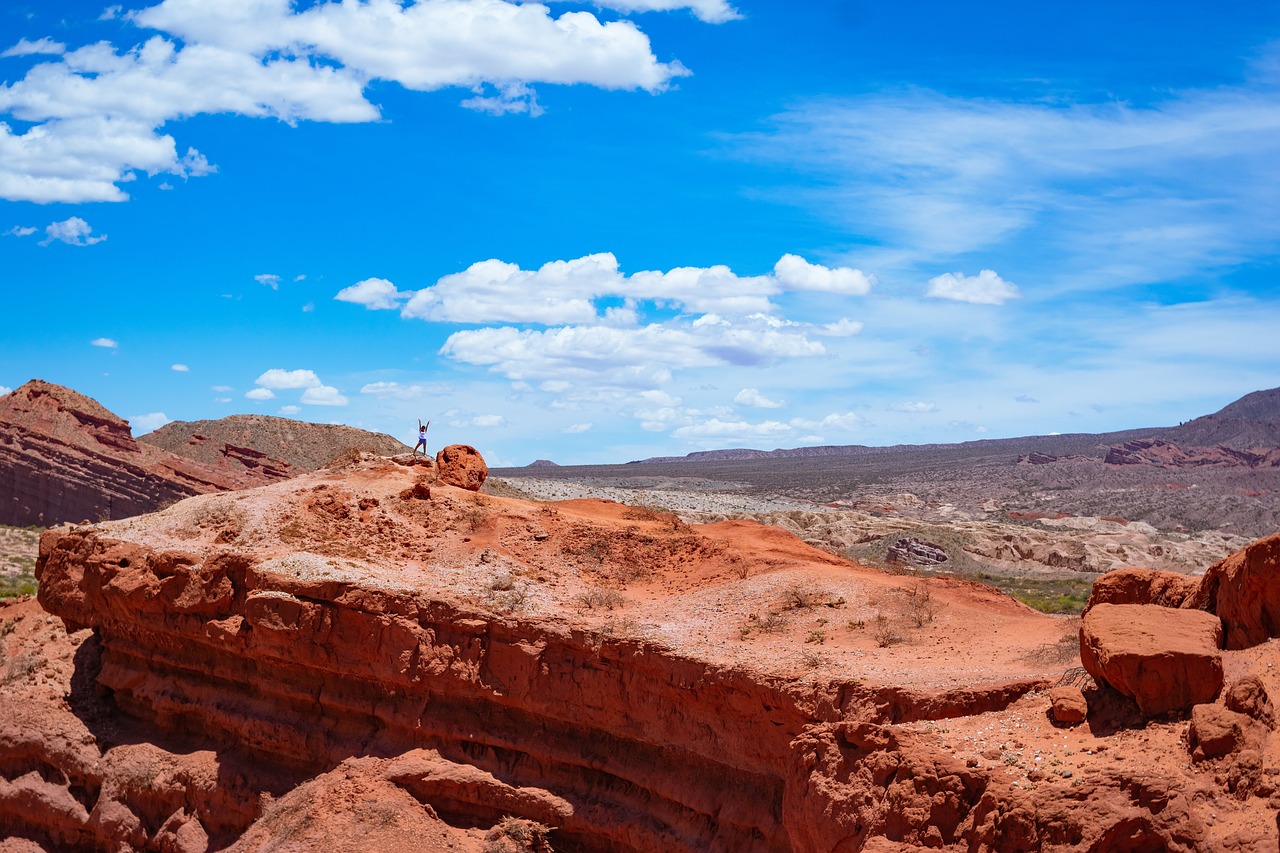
(105, 343)
(73, 231)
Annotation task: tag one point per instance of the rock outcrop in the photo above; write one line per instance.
(915, 552)
(64, 457)
(1142, 586)
(1164, 659)
(1166, 454)
(1244, 590)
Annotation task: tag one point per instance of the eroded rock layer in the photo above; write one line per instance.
(372, 656)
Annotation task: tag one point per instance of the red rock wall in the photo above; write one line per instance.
(651, 751)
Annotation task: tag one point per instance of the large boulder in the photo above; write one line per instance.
(1244, 590)
(1164, 659)
(1248, 696)
(461, 465)
(1142, 586)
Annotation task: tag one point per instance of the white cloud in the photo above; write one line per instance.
(281, 379)
(565, 292)
(914, 408)
(507, 98)
(260, 394)
(73, 231)
(574, 429)
(269, 279)
(5, 389)
(32, 48)
(842, 328)
(716, 428)
(20, 231)
(146, 423)
(290, 410)
(711, 11)
(180, 368)
(300, 277)
(323, 395)
(986, 288)
(104, 342)
(640, 357)
(222, 399)
(221, 389)
(373, 293)
(1106, 193)
(795, 273)
(752, 397)
(96, 111)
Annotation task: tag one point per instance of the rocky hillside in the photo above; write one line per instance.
(301, 446)
(370, 657)
(64, 457)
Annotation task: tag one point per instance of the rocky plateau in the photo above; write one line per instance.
(377, 656)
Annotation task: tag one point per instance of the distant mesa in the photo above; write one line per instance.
(543, 463)
(1167, 454)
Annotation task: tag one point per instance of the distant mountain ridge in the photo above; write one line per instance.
(1252, 422)
(300, 445)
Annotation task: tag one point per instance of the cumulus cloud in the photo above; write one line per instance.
(323, 395)
(106, 343)
(795, 273)
(372, 293)
(269, 279)
(752, 397)
(5, 389)
(96, 111)
(506, 98)
(564, 292)
(574, 429)
(479, 422)
(20, 231)
(741, 431)
(147, 423)
(986, 288)
(260, 394)
(180, 368)
(281, 379)
(290, 410)
(73, 231)
(623, 357)
(842, 328)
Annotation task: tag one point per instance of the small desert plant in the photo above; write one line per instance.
(920, 604)
(812, 658)
(607, 599)
(770, 623)
(502, 582)
(508, 600)
(856, 624)
(884, 633)
(818, 637)
(516, 835)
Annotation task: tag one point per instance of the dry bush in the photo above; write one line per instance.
(770, 623)
(516, 835)
(507, 600)
(920, 606)
(607, 599)
(502, 582)
(802, 598)
(812, 658)
(818, 637)
(884, 632)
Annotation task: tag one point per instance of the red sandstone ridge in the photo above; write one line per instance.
(63, 457)
(367, 657)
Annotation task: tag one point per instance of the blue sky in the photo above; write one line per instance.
(599, 232)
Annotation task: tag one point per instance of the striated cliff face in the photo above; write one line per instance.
(370, 656)
(63, 457)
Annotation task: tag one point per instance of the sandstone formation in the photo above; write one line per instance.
(1244, 590)
(1215, 731)
(1164, 659)
(63, 457)
(1142, 586)
(461, 465)
(1167, 454)
(290, 445)
(367, 657)
(1248, 696)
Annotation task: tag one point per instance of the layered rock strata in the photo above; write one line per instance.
(248, 669)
